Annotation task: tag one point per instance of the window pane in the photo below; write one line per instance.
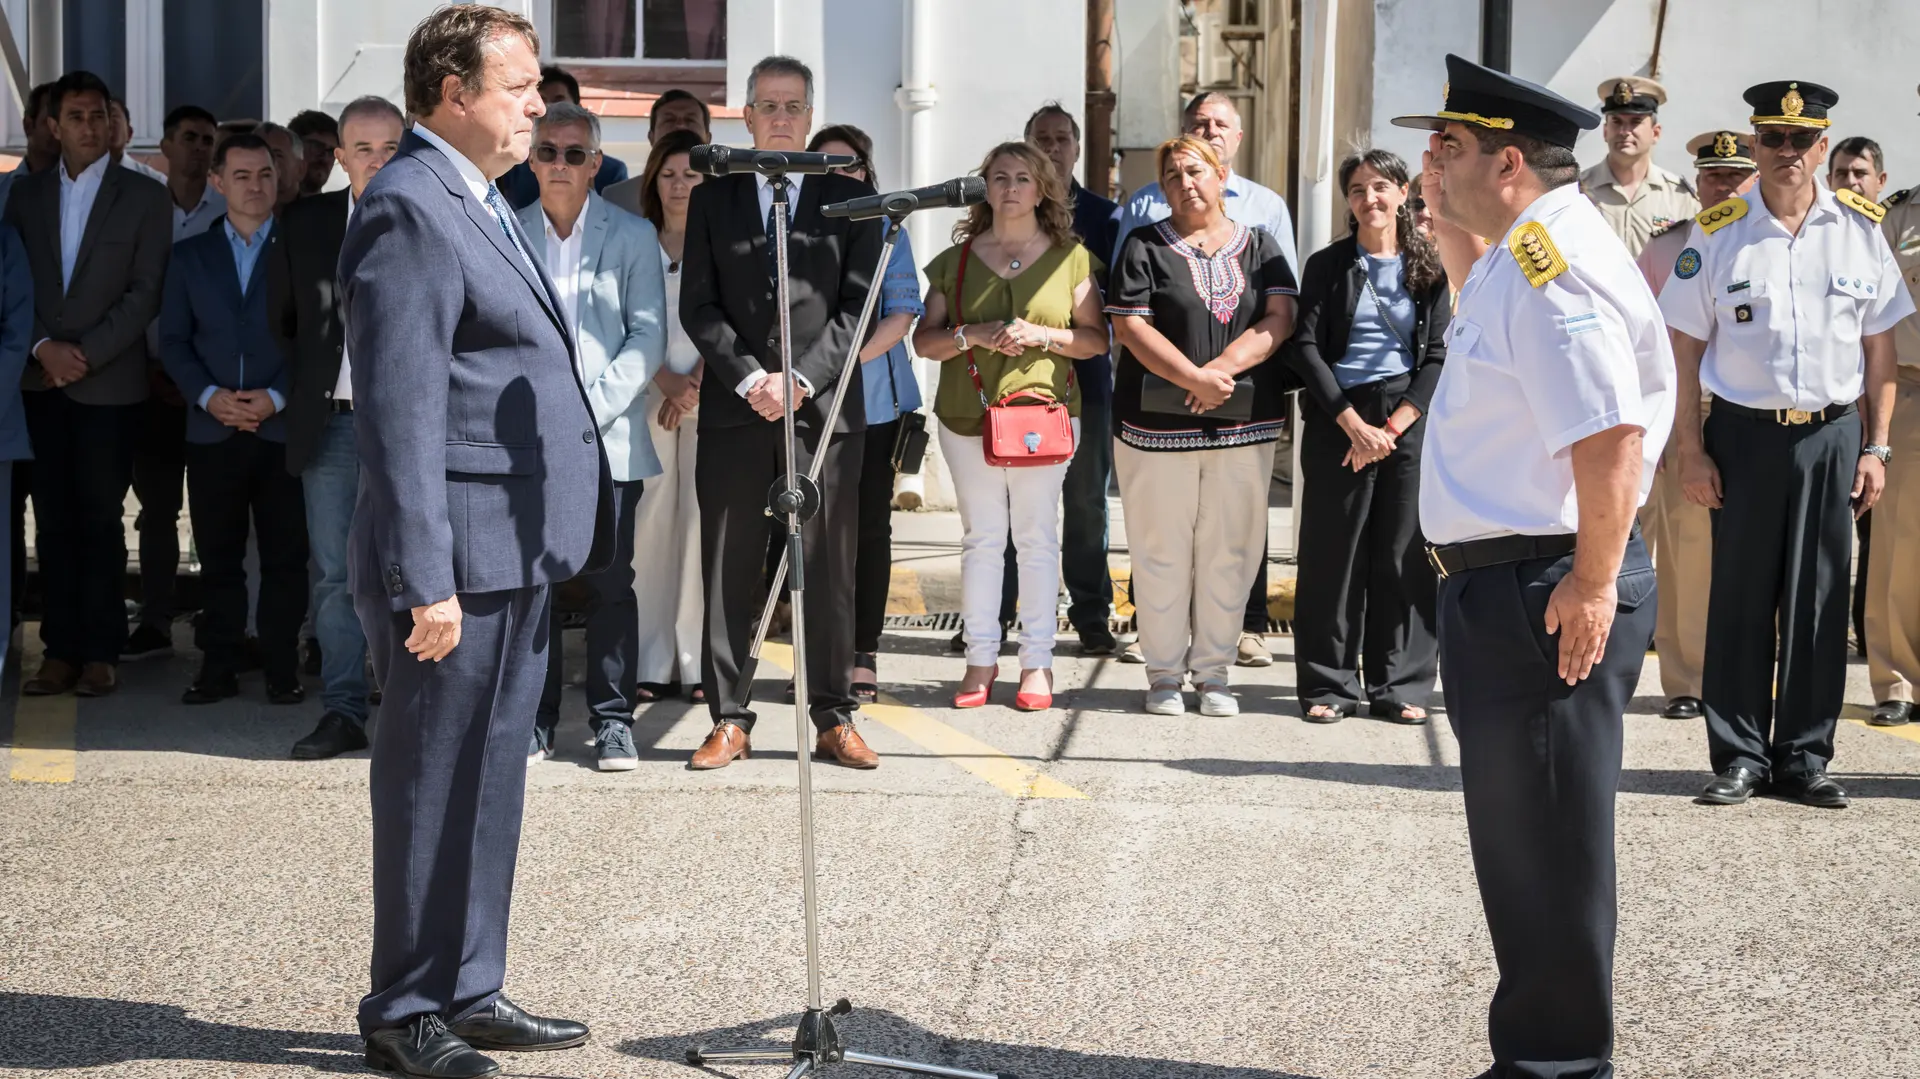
(214, 53)
(593, 28)
(96, 39)
(686, 29)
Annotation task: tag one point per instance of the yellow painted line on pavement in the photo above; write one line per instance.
(1009, 774)
(903, 592)
(1908, 731)
(42, 726)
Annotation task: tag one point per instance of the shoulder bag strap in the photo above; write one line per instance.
(959, 292)
(1366, 278)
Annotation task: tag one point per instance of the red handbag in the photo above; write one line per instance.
(1039, 432)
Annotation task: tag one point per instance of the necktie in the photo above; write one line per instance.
(780, 184)
(497, 206)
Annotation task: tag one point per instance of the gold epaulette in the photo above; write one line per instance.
(1861, 204)
(1715, 218)
(1533, 249)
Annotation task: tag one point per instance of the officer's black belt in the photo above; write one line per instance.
(1455, 558)
(1786, 417)
(340, 406)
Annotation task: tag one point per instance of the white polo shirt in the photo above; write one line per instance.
(1532, 370)
(1783, 315)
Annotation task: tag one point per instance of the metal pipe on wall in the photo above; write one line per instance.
(1100, 98)
(46, 44)
(1496, 34)
(1315, 169)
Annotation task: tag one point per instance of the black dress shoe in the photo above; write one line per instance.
(1096, 639)
(503, 1026)
(211, 688)
(426, 1048)
(335, 735)
(1891, 714)
(1683, 708)
(285, 691)
(1732, 787)
(1819, 790)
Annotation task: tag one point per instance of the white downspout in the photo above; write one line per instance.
(916, 98)
(1318, 19)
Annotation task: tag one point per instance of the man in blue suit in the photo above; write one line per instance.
(219, 348)
(483, 483)
(605, 264)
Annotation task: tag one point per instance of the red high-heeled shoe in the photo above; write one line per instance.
(976, 698)
(1034, 702)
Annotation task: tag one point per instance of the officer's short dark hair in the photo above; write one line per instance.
(37, 100)
(453, 41)
(76, 82)
(182, 113)
(555, 73)
(244, 141)
(1554, 165)
(1860, 146)
(1051, 108)
(313, 122)
(671, 96)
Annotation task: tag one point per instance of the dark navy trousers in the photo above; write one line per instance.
(448, 778)
(1539, 764)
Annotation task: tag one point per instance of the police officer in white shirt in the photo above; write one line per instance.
(1541, 445)
(1777, 298)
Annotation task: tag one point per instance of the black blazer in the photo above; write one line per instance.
(303, 304)
(117, 280)
(1329, 292)
(727, 295)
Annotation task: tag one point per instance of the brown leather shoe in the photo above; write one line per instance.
(97, 680)
(55, 676)
(844, 744)
(725, 745)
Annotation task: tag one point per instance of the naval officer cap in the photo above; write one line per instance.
(1482, 97)
(1631, 94)
(1722, 150)
(1797, 104)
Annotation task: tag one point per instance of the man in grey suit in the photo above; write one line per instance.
(483, 483)
(605, 263)
(97, 239)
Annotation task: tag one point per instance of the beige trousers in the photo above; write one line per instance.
(1196, 528)
(1679, 536)
(1893, 570)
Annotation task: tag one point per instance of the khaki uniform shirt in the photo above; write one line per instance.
(1902, 229)
(1660, 200)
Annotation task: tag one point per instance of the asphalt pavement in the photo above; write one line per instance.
(1085, 893)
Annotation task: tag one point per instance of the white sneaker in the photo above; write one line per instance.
(1218, 701)
(1132, 654)
(1166, 701)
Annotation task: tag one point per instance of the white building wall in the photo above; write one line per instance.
(1863, 49)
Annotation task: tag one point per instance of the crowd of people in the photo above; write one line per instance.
(182, 331)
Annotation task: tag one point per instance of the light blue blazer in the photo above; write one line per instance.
(623, 328)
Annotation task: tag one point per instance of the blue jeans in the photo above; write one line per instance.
(332, 482)
(1083, 525)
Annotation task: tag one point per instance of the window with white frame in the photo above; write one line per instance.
(638, 31)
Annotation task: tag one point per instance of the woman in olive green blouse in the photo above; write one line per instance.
(1027, 308)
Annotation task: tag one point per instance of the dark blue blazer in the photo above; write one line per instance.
(212, 335)
(16, 334)
(480, 463)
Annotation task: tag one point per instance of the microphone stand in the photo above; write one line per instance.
(796, 497)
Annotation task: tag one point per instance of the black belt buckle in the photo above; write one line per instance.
(340, 406)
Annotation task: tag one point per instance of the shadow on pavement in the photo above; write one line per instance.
(882, 1033)
(53, 1032)
(1676, 782)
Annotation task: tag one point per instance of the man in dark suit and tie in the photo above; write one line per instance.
(305, 309)
(728, 306)
(219, 347)
(482, 485)
(98, 239)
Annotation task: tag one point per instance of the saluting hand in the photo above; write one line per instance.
(1581, 612)
(436, 630)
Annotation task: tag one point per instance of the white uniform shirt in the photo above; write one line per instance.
(563, 265)
(1782, 315)
(77, 195)
(1531, 371)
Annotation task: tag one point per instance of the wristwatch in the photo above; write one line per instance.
(960, 338)
(1885, 453)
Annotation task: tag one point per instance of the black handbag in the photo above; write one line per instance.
(1159, 395)
(910, 441)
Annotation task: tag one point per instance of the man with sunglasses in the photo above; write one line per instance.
(1783, 305)
(1638, 198)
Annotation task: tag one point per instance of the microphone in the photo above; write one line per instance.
(964, 191)
(716, 160)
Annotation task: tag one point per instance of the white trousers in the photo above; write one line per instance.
(1196, 527)
(992, 501)
(666, 557)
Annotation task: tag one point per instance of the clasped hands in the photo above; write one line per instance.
(1012, 337)
(679, 396)
(1370, 443)
(62, 361)
(768, 395)
(242, 410)
(1209, 386)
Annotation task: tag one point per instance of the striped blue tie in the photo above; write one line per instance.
(497, 205)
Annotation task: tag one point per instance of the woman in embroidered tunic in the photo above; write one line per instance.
(1374, 313)
(1011, 305)
(1199, 305)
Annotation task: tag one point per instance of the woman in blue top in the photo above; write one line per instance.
(892, 390)
(1373, 318)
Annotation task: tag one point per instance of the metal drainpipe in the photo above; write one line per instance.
(1100, 98)
(1496, 34)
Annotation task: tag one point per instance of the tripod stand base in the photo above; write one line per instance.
(816, 1046)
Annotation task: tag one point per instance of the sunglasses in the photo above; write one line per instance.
(574, 155)
(1801, 140)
